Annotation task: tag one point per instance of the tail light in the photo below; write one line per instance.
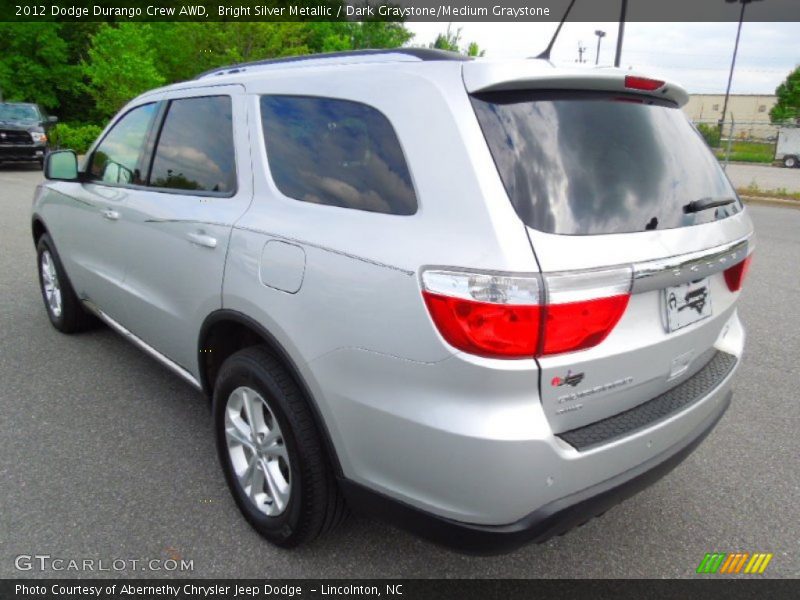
(734, 276)
(505, 316)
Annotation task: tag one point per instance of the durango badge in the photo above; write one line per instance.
(570, 378)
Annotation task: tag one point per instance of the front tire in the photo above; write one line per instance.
(790, 162)
(65, 311)
(271, 453)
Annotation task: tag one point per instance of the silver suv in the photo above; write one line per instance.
(485, 300)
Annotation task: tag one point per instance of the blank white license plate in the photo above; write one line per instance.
(687, 303)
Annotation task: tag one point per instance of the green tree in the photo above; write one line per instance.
(121, 65)
(34, 63)
(451, 40)
(788, 105)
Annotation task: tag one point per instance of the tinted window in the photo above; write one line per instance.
(336, 152)
(116, 159)
(195, 147)
(591, 163)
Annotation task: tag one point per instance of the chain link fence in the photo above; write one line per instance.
(740, 141)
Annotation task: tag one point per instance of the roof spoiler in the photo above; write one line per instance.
(486, 76)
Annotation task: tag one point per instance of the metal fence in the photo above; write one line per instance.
(760, 136)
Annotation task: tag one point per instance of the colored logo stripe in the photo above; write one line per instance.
(758, 563)
(722, 562)
(711, 562)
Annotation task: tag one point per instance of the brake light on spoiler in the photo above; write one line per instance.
(645, 84)
(525, 316)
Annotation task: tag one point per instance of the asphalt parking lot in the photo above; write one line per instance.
(764, 177)
(105, 454)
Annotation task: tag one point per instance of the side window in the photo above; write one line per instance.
(195, 147)
(337, 153)
(116, 159)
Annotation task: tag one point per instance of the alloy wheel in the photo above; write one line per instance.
(257, 451)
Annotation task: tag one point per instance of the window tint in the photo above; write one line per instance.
(195, 147)
(336, 152)
(590, 163)
(116, 159)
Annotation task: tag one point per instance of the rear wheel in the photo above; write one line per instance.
(271, 452)
(790, 162)
(65, 311)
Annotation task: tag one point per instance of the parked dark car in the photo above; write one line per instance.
(23, 132)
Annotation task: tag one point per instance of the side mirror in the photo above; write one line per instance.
(61, 165)
(52, 120)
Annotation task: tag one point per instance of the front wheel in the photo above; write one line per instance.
(790, 162)
(271, 453)
(63, 307)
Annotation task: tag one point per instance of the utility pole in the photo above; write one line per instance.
(581, 50)
(744, 3)
(600, 35)
(621, 33)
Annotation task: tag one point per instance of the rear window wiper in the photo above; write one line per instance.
(706, 203)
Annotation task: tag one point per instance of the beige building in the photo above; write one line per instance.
(749, 111)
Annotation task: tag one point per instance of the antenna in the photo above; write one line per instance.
(546, 53)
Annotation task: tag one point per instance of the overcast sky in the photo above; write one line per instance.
(696, 55)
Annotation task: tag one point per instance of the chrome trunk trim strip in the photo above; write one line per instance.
(683, 268)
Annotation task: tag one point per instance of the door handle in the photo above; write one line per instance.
(111, 215)
(201, 239)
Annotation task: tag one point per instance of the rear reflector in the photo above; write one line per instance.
(734, 276)
(646, 84)
(504, 316)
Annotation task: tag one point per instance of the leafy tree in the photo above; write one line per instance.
(788, 105)
(121, 65)
(451, 40)
(711, 134)
(34, 63)
(85, 72)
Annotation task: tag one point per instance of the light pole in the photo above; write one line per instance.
(600, 35)
(744, 3)
(621, 33)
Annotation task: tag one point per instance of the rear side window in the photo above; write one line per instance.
(591, 163)
(116, 159)
(337, 153)
(195, 147)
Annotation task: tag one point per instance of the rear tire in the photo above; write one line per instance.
(65, 311)
(271, 452)
(790, 162)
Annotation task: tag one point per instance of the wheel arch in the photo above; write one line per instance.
(38, 228)
(227, 331)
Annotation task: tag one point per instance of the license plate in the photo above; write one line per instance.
(687, 303)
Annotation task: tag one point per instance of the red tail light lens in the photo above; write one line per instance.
(642, 83)
(734, 276)
(494, 330)
(503, 316)
(580, 325)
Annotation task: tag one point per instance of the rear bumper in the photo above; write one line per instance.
(554, 518)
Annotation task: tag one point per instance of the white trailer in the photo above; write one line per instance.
(787, 150)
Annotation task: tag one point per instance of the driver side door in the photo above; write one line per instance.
(97, 261)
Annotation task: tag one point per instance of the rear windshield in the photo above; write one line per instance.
(591, 163)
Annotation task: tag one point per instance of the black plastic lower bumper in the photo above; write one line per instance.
(550, 520)
(22, 153)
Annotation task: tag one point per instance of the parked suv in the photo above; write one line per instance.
(23, 132)
(485, 300)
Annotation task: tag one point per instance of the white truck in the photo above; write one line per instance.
(787, 150)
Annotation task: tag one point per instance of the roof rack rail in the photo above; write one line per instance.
(423, 54)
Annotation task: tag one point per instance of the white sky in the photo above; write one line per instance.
(696, 55)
